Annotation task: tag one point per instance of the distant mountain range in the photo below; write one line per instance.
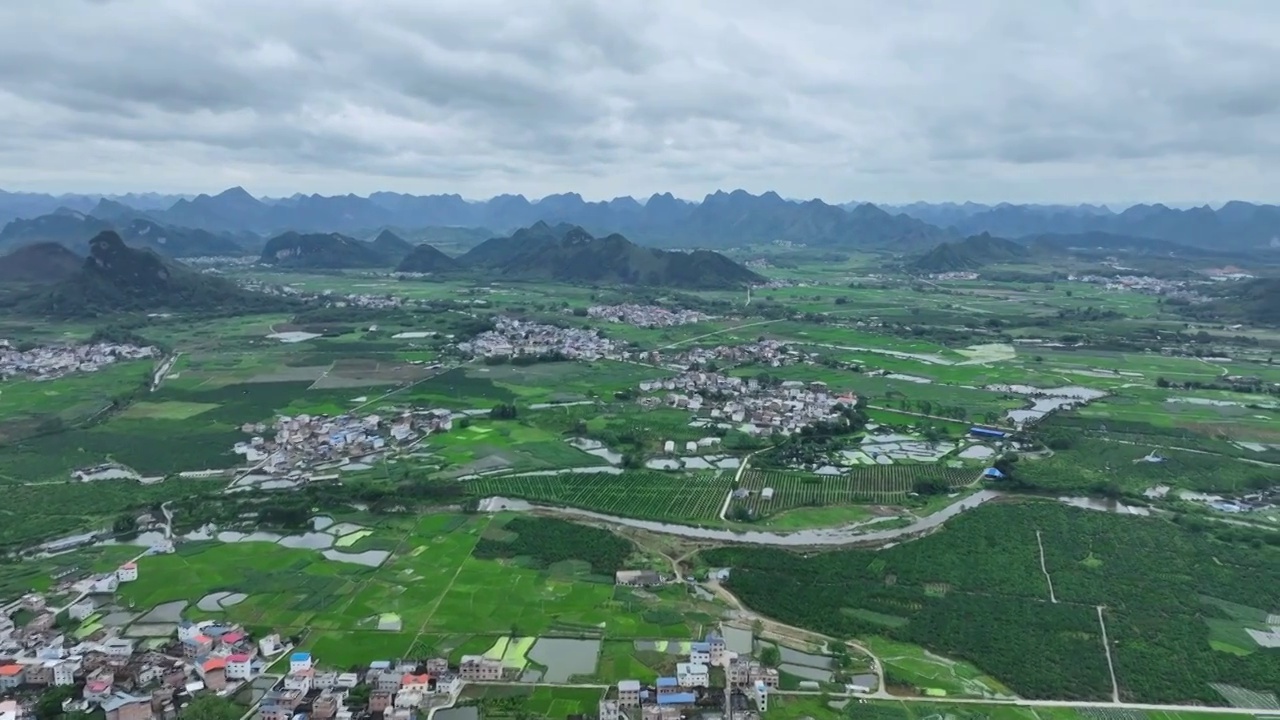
(719, 220)
(114, 277)
(74, 230)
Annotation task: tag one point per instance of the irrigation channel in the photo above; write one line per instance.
(848, 535)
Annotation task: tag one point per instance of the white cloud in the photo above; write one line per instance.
(917, 99)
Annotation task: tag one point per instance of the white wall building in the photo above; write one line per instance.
(127, 572)
(692, 675)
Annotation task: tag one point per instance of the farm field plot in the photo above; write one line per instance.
(687, 497)
(69, 398)
(863, 484)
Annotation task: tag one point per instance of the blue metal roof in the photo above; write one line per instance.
(992, 473)
(667, 682)
(300, 657)
(685, 698)
(701, 647)
(986, 431)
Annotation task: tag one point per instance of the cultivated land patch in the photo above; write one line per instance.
(864, 484)
(680, 497)
(169, 410)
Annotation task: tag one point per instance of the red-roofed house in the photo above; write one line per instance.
(416, 683)
(214, 672)
(97, 689)
(233, 638)
(127, 572)
(239, 667)
(11, 676)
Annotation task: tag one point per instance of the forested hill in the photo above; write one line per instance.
(971, 253)
(574, 255)
(118, 278)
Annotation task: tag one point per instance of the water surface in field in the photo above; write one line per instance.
(565, 657)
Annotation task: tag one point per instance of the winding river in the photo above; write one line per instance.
(848, 535)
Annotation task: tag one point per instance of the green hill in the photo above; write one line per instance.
(971, 253)
(427, 259)
(40, 263)
(571, 254)
(118, 278)
(333, 251)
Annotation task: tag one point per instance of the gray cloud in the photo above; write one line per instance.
(990, 99)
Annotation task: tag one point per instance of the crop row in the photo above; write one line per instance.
(879, 483)
(654, 495)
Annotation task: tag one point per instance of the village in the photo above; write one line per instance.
(646, 316)
(55, 361)
(748, 405)
(517, 338)
(318, 442)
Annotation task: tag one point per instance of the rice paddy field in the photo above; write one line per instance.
(446, 600)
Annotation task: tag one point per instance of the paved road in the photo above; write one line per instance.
(1055, 703)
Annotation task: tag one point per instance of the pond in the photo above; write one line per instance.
(565, 657)
(806, 672)
(368, 558)
(462, 713)
(738, 640)
(170, 612)
(797, 657)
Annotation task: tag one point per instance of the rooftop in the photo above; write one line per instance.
(629, 685)
(667, 682)
(10, 670)
(300, 657)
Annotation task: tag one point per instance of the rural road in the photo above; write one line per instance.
(1106, 645)
(1212, 709)
(717, 332)
(1040, 543)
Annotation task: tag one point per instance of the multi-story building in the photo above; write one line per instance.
(480, 668)
(299, 661)
(11, 676)
(127, 572)
(691, 675)
(123, 706)
(628, 693)
(239, 667)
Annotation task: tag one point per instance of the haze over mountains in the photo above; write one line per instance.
(720, 220)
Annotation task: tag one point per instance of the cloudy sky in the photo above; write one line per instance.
(985, 100)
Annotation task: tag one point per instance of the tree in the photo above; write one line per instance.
(49, 706)
(770, 656)
(503, 411)
(211, 707)
(125, 527)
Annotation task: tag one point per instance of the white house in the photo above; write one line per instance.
(64, 673)
(762, 696)
(118, 648)
(669, 447)
(300, 681)
(127, 572)
(692, 675)
(239, 667)
(299, 661)
(81, 610)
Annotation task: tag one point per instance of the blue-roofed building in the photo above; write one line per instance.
(666, 682)
(299, 662)
(716, 648)
(677, 698)
(987, 432)
(700, 652)
(992, 474)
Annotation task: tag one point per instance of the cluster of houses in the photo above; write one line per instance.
(126, 678)
(646, 316)
(747, 683)
(765, 353)
(395, 690)
(746, 403)
(47, 363)
(517, 338)
(310, 441)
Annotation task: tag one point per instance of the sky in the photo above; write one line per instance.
(982, 100)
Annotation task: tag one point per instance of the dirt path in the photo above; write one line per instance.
(1040, 543)
(1106, 645)
(717, 332)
